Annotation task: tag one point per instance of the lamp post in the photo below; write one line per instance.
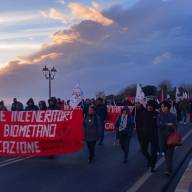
(49, 75)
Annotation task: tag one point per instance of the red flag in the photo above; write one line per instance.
(129, 98)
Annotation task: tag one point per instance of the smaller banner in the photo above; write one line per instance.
(77, 96)
(113, 113)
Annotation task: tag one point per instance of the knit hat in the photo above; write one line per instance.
(151, 103)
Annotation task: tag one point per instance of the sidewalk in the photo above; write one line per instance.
(158, 182)
(185, 184)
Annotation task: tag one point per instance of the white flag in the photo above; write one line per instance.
(177, 94)
(77, 96)
(185, 95)
(140, 95)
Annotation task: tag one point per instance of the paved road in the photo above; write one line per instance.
(71, 173)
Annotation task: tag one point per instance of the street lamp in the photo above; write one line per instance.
(49, 75)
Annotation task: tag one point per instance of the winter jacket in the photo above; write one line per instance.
(162, 121)
(129, 127)
(31, 107)
(101, 110)
(149, 125)
(92, 128)
(138, 117)
(184, 106)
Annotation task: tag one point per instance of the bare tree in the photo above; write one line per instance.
(100, 94)
(129, 91)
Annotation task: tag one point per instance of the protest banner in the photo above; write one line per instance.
(112, 113)
(40, 133)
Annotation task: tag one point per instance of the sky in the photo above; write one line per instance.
(103, 45)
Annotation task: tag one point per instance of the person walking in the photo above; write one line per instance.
(137, 114)
(92, 126)
(185, 109)
(167, 122)
(150, 134)
(124, 126)
(101, 110)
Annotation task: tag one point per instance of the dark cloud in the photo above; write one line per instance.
(147, 43)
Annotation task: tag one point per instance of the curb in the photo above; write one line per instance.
(185, 183)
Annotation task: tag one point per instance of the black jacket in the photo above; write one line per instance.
(31, 107)
(92, 128)
(149, 125)
(101, 111)
(138, 117)
(129, 127)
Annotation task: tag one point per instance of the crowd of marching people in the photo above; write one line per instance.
(152, 121)
(52, 104)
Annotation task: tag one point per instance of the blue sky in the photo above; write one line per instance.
(24, 29)
(132, 41)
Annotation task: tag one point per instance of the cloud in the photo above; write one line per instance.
(61, 2)
(96, 5)
(79, 12)
(27, 33)
(65, 37)
(161, 58)
(89, 13)
(11, 19)
(52, 13)
(39, 59)
(31, 46)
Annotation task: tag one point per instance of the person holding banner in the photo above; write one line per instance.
(92, 127)
(124, 126)
(42, 105)
(2, 106)
(53, 104)
(31, 105)
(17, 106)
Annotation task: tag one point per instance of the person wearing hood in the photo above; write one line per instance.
(42, 105)
(124, 126)
(150, 134)
(53, 104)
(2, 106)
(31, 105)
